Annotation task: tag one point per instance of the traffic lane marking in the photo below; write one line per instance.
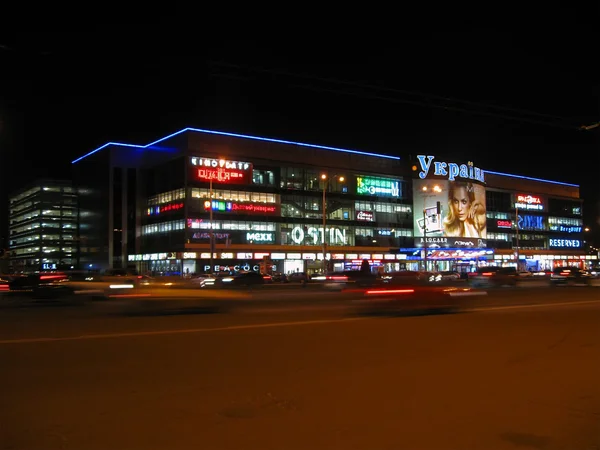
(258, 326)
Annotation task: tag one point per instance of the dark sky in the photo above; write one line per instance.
(510, 100)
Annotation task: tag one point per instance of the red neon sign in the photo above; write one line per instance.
(222, 170)
(165, 208)
(504, 223)
(529, 199)
(221, 175)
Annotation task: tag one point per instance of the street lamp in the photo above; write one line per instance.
(212, 233)
(436, 189)
(325, 187)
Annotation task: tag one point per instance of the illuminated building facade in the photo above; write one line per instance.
(43, 227)
(157, 207)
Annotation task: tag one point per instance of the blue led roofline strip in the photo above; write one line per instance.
(244, 136)
(222, 133)
(530, 178)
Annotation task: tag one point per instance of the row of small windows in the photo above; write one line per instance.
(271, 226)
(44, 237)
(237, 196)
(45, 250)
(163, 227)
(39, 189)
(167, 197)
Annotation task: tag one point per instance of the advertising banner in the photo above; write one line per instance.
(449, 213)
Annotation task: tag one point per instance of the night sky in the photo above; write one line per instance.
(509, 101)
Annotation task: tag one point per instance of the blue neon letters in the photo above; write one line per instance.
(450, 170)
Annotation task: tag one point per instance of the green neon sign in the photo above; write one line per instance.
(381, 187)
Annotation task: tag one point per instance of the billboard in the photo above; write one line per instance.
(449, 214)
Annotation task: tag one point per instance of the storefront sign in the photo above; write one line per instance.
(504, 223)
(260, 236)
(244, 266)
(449, 242)
(365, 216)
(382, 187)
(529, 202)
(315, 235)
(221, 170)
(243, 208)
(566, 228)
(449, 170)
(564, 243)
(201, 235)
(528, 222)
(159, 209)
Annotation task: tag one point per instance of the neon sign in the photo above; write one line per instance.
(504, 223)
(165, 208)
(530, 202)
(382, 187)
(251, 208)
(222, 170)
(450, 170)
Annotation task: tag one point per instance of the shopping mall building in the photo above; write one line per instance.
(158, 207)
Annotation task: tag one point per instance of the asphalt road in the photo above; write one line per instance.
(517, 369)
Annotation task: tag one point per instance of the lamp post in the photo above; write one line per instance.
(437, 190)
(212, 235)
(325, 187)
(517, 228)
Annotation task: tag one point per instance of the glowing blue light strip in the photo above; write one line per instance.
(530, 178)
(244, 136)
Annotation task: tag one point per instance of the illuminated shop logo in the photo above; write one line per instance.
(254, 236)
(365, 216)
(449, 170)
(566, 228)
(201, 235)
(531, 223)
(529, 202)
(315, 236)
(222, 170)
(160, 209)
(250, 208)
(564, 243)
(382, 187)
(504, 223)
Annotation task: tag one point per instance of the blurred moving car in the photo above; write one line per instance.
(493, 276)
(417, 298)
(41, 286)
(297, 277)
(238, 279)
(570, 276)
(347, 279)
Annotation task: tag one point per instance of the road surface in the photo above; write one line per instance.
(517, 371)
